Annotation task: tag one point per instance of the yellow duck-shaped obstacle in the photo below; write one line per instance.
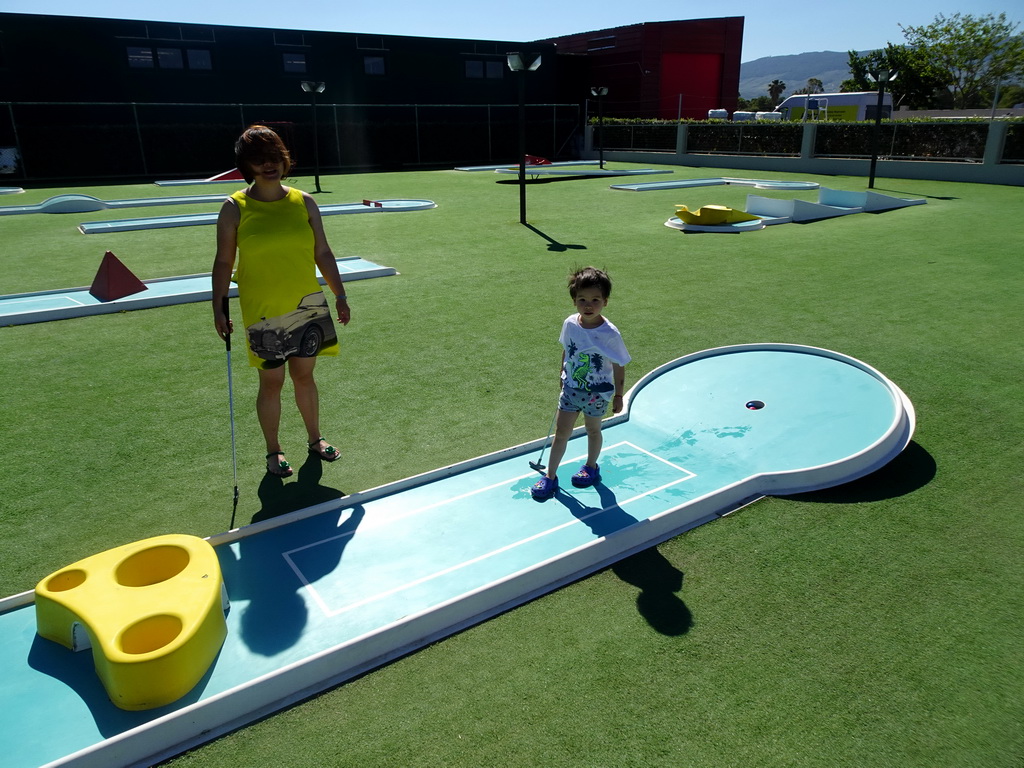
(712, 215)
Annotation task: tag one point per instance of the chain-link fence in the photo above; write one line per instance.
(51, 141)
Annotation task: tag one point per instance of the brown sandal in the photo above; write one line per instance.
(285, 469)
(330, 453)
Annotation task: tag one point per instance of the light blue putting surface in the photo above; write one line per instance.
(195, 182)
(23, 308)
(194, 219)
(321, 595)
(717, 181)
(547, 170)
(75, 203)
(558, 163)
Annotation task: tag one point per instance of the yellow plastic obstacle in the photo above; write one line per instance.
(710, 215)
(152, 612)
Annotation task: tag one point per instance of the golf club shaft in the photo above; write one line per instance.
(231, 412)
(539, 464)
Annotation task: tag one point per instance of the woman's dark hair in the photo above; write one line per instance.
(257, 143)
(590, 277)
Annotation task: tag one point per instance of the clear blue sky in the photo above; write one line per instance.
(771, 28)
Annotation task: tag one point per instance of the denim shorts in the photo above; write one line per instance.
(576, 400)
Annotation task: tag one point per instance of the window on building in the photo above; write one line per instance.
(294, 62)
(601, 43)
(197, 33)
(199, 59)
(374, 65)
(140, 57)
(158, 30)
(491, 70)
(289, 37)
(169, 58)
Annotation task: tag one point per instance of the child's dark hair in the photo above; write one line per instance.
(256, 143)
(590, 277)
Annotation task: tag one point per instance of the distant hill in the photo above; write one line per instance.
(831, 67)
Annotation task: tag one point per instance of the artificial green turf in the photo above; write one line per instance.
(876, 624)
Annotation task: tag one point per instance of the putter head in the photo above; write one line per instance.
(538, 467)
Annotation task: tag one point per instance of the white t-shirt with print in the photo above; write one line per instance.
(589, 354)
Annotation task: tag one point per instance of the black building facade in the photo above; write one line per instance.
(84, 98)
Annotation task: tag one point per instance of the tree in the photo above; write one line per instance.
(775, 90)
(756, 104)
(814, 85)
(1011, 95)
(917, 83)
(975, 53)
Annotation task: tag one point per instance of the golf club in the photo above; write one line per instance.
(231, 411)
(539, 463)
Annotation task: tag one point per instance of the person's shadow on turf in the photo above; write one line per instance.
(274, 613)
(279, 498)
(657, 579)
(605, 520)
(659, 582)
(268, 575)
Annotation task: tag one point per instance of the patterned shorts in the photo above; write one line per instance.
(576, 400)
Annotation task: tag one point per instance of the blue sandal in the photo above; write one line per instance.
(544, 488)
(587, 476)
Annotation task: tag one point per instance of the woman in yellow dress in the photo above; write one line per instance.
(278, 236)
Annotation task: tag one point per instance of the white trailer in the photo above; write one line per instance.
(859, 105)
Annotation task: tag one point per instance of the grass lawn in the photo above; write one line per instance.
(875, 624)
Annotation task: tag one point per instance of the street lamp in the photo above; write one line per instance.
(522, 63)
(882, 76)
(600, 91)
(313, 88)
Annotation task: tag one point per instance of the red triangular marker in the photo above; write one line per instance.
(114, 280)
(233, 175)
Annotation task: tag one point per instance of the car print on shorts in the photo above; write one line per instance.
(303, 331)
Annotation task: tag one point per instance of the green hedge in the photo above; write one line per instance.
(1013, 149)
(962, 140)
(745, 138)
(903, 140)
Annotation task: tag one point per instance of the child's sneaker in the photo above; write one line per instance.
(586, 477)
(544, 488)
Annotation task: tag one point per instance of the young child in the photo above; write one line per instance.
(593, 356)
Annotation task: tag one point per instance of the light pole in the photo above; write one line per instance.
(881, 77)
(313, 88)
(522, 63)
(600, 91)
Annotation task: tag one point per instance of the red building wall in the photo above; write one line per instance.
(663, 69)
(690, 84)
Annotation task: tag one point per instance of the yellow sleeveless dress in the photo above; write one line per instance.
(284, 310)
